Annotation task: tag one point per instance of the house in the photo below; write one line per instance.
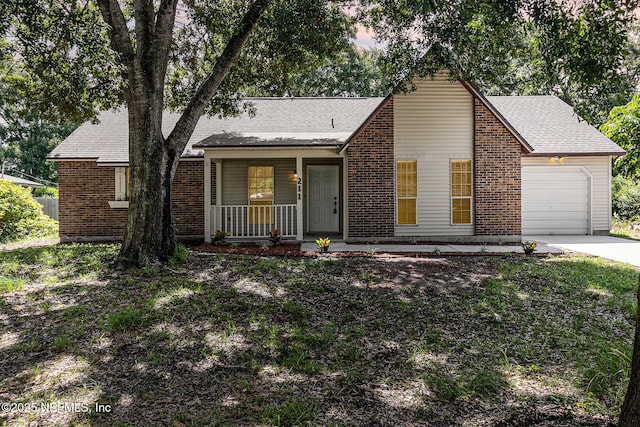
(21, 181)
(441, 163)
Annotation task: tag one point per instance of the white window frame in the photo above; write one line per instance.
(121, 188)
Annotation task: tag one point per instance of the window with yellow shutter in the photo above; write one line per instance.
(461, 192)
(406, 191)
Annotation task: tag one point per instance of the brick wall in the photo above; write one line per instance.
(370, 166)
(188, 198)
(497, 176)
(85, 190)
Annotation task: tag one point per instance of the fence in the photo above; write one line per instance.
(49, 206)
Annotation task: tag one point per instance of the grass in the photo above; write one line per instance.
(626, 229)
(249, 340)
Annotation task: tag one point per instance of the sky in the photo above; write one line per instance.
(364, 38)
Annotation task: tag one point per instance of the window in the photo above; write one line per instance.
(122, 184)
(406, 191)
(461, 191)
(260, 194)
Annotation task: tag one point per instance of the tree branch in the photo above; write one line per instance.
(117, 30)
(145, 28)
(165, 21)
(229, 57)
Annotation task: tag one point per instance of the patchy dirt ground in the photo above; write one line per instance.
(243, 340)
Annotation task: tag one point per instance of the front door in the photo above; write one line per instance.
(323, 204)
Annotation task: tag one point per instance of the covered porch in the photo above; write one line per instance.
(249, 192)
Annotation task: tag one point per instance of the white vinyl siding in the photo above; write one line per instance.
(434, 125)
(235, 180)
(599, 169)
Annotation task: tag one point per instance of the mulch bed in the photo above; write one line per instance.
(291, 249)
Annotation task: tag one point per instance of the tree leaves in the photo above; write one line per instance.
(623, 127)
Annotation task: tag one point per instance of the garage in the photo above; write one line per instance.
(555, 200)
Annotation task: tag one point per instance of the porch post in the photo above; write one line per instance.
(345, 198)
(207, 199)
(218, 182)
(299, 199)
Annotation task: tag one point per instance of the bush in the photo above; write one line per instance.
(51, 192)
(626, 198)
(20, 215)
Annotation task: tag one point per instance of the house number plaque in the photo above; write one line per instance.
(299, 188)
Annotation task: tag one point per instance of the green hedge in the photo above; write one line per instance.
(626, 198)
(21, 216)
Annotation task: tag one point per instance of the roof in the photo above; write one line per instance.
(108, 140)
(293, 122)
(544, 125)
(551, 126)
(278, 122)
(21, 181)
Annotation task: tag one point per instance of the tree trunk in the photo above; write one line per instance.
(150, 235)
(630, 413)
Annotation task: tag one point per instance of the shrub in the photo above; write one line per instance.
(626, 198)
(275, 238)
(180, 255)
(528, 247)
(20, 215)
(323, 244)
(219, 237)
(50, 192)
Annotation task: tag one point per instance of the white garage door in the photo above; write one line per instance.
(555, 200)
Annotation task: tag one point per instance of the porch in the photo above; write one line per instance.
(244, 221)
(250, 193)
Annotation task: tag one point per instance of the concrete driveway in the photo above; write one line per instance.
(612, 248)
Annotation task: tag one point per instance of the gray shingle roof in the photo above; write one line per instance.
(551, 126)
(294, 121)
(546, 123)
(21, 181)
(277, 122)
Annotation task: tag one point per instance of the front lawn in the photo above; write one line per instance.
(241, 340)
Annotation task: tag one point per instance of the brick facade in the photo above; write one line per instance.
(497, 176)
(86, 189)
(370, 177)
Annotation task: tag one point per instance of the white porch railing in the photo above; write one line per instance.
(254, 221)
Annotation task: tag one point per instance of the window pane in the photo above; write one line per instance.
(260, 194)
(406, 191)
(406, 211)
(461, 211)
(406, 179)
(461, 182)
(260, 183)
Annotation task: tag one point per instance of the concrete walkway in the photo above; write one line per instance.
(608, 247)
(409, 248)
(612, 248)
